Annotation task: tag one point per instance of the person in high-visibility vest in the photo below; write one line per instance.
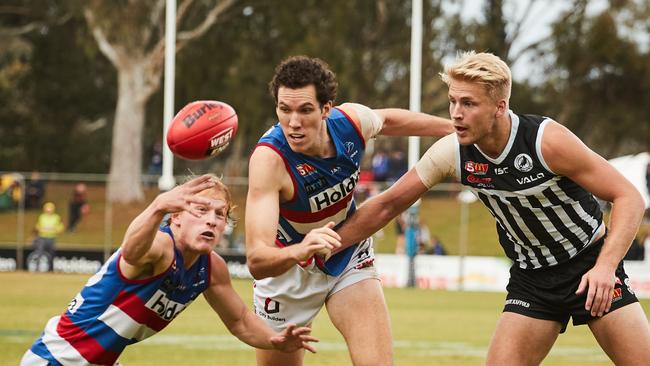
(48, 226)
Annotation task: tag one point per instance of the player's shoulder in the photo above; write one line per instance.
(218, 269)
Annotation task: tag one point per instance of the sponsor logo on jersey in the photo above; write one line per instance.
(75, 304)
(282, 235)
(501, 171)
(476, 180)
(189, 120)
(334, 194)
(524, 163)
(305, 169)
(271, 306)
(617, 294)
(220, 141)
(163, 306)
(530, 179)
(627, 284)
(316, 185)
(476, 168)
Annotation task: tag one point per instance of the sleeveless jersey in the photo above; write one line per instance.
(112, 312)
(323, 188)
(543, 219)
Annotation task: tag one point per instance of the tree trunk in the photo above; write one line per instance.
(124, 183)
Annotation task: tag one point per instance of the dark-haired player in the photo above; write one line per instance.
(301, 180)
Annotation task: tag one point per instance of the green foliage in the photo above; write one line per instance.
(58, 93)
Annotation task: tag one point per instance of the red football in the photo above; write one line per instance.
(202, 129)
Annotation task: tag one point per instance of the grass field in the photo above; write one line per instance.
(429, 328)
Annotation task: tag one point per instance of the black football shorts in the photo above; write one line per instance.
(549, 293)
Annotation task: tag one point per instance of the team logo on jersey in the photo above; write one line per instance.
(271, 306)
(305, 169)
(476, 168)
(349, 146)
(334, 194)
(524, 163)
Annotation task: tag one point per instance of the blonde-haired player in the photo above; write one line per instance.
(157, 272)
(539, 181)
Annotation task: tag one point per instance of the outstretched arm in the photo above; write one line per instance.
(242, 323)
(377, 211)
(435, 165)
(396, 122)
(138, 249)
(566, 155)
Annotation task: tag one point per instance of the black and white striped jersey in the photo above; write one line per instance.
(543, 219)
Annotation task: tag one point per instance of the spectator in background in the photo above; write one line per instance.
(155, 165)
(78, 206)
(35, 191)
(436, 247)
(48, 226)
(380, 166)
(397, 165)
(400, 233)
(10, 190)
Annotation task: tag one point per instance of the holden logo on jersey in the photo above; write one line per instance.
(523, 163)
(271, 306)
(163, 306)
(476, 168)
(220, 141)
(334, 194)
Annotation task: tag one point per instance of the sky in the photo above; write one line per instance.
(535, 27)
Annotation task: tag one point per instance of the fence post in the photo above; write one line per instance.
(20, 227)
(108, 227)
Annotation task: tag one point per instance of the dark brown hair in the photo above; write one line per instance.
(300, 71)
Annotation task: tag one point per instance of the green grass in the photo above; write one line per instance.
(429, 327)
(441, 212)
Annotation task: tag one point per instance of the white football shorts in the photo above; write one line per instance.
(298, 295)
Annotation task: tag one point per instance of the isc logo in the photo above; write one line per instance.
(164, 307)
(333, 194)
(220, 141)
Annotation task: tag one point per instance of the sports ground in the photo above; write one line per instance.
(429, 328)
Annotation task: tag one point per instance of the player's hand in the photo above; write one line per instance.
(600, 282)
(320, 241)
(183, 196)
(294, 338)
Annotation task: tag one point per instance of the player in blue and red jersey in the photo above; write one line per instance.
(154, 276)
(302, 176)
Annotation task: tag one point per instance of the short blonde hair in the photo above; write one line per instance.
(482, 68)
(219, 187)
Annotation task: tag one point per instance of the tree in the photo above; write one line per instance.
(131, 36)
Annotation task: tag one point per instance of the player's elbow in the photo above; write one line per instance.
(257, 266)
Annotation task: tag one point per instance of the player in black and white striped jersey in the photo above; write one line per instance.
(539, 181)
